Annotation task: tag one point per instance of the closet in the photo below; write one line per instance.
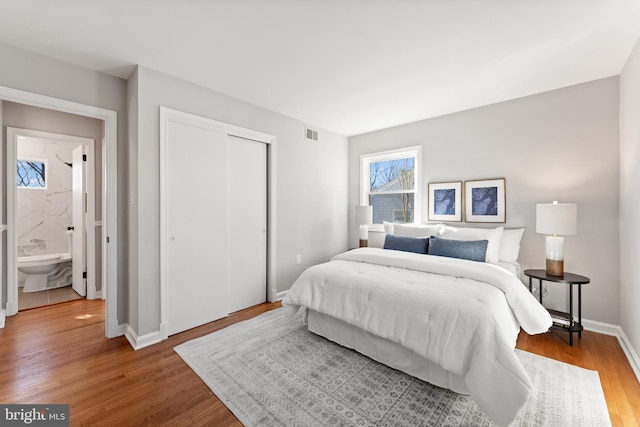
(213, 220)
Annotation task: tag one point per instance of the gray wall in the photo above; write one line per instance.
(310, 185)
(559, 145)
(30, 72)
(311, 176)
(630, 198)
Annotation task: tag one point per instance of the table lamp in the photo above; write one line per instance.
(364, 216)
(556, 220)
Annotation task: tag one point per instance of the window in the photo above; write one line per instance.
(31, 173)
(389, 183)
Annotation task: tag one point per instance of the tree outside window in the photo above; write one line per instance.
(390, 181)
(31, 174)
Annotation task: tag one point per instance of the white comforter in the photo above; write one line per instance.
(463, 315)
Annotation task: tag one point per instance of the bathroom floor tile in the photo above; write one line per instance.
(31, 299)
(39, 299)
(62, 294)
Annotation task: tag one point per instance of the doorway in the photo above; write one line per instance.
(53, 207)
(109, 209)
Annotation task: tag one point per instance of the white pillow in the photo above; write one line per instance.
(492, 235)
(388, 227)
(416, 230)
(510, 246)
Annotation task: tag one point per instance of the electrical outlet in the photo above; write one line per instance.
(298, 259)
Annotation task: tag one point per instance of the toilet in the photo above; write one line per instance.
(49, 271)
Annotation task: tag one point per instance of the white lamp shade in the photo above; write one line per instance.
(364, 215)
(556, 218)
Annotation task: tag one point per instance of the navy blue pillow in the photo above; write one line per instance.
(418, 245)
(473, 250)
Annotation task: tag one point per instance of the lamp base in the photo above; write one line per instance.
(555, 267)
(364, 243)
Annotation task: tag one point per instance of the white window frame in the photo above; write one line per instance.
(401, 153)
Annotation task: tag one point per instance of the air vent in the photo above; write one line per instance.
(311, 134)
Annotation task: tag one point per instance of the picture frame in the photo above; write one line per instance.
(485, 200)
(445, 201)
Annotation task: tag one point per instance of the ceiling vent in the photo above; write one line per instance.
(311, 134)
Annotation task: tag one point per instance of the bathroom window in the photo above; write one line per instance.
(31, 173)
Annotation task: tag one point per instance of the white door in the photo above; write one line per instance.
(196, 226)
(247, 209)
(79, 250)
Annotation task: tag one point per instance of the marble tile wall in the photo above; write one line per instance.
(43, 215)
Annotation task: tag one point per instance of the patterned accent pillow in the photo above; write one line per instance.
(473, 250)
(418, 245)
(492, 235)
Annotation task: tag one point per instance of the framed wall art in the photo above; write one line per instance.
(445, 201)
(485, 200)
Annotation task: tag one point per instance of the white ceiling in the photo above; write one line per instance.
(350, 66)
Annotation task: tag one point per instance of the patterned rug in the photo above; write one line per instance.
(270, 371)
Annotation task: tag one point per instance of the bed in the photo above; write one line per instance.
(449, 321)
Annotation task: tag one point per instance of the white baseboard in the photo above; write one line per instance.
(164, 330)
(3, 316)
(601, 328)
(116, 330)
(138, 342)
(122, 329)
(281, 295)
(11, 308)
(618, 332)
(631, 354)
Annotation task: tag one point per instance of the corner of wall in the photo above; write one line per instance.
(130, 200)
(142, 341)
(629, 208)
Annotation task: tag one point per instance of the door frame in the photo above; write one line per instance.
(12, 197)
(109, 193)
(168, 115)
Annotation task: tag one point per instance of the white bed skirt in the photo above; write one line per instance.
(384, 351)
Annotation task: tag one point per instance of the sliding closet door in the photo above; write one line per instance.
(214, 220)
(247, 223)
(196, 226)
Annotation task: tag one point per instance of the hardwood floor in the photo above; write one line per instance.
(58, 354)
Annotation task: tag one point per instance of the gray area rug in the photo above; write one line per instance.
(270, 371)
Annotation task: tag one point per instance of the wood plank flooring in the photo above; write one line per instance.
(58, 354)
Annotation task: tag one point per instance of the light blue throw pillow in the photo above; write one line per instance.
(408, 244)
(473, 250)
